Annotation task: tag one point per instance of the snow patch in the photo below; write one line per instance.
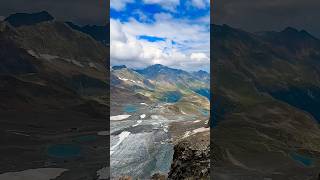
(32, 53)
(142, 116)
(157, 117)
(235, 161)
(92, 65)
(130, 80)
(48, 57)
(155, 124)
(123, 79)
(202, 129)
(122, 137)
(77, 63)
(103, 133)
(119, 117)
(33, 174)
(138, 122)
(195, 131)
(165, 128)
(18, 133)
(186, 134)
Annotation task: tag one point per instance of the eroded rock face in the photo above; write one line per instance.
(159, 176)
(125, 178)
(191, 159)
(260, 82)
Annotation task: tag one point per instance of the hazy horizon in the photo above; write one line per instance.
(111, 66)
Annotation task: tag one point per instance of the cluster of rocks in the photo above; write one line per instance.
(191, 159)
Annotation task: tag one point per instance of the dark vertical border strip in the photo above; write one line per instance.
(107, 14)
(211, 68)
(212, 99)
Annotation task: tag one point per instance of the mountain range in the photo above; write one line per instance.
(98, 32)
(53, 96)
(266, 103)
(163, 104)
(160, 83)
(53, 82)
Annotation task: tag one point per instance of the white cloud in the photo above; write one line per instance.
(162, 16)
(170, 5)
(141, 16)
(119, 4)
(204, 19)
(123, 47)
(199, 56)
(201, 4)
(190, 50)
(180, 31)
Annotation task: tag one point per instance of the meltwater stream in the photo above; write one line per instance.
(140, 148)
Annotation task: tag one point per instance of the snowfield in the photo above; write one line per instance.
(119, 117)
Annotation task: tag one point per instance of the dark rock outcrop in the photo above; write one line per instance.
(27, 19)
(191, 159)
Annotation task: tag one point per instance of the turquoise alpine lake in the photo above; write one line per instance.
(306, 161)
(64, 150)
(171, 97)
(204, 92)
(130, 108)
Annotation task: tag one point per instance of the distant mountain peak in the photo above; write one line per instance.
(99, 33)
(158, 66)
(202, 71)
(201, 74)
(154, 70)
(290, 30)
(22, 19)
(307, 34)
(119, 67)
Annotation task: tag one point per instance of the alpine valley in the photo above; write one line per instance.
(156, 113)
(53, 100)
(266, 104)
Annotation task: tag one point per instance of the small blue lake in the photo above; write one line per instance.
(130, 108)
(306, 98)
(306, 161)
(204, 92)
(171, 96)
(64, 150)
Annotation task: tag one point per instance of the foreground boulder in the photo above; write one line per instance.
(191, 159)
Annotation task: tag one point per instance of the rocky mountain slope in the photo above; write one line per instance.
(53, 97)
(266, 88)
(99, 33)
(165, 108)
(159, 83)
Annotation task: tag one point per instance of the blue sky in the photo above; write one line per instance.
(170, 32)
